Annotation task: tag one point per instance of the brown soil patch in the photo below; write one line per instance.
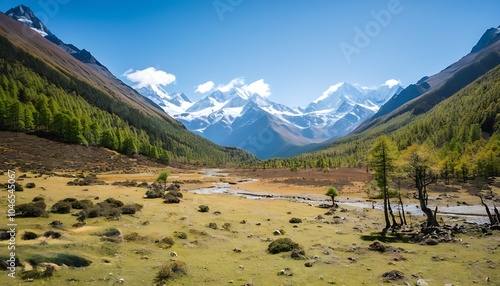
(30, 152)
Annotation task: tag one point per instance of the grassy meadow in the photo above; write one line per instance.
(235, 252)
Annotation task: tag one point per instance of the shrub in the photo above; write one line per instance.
(212, 225)
(69, 200)
(169, 199)
(18, 187)
(295, 220)
(82, 204)
(70, 260)
(37, 259)
(226, 226)
(38, 199)
(129, 209)
(167, 242)
(154, 193)
(174, 187)
(283, 244)
(4, 263)
(28, 235)
(203, 208)
(133, 236)
(112, 231)
(181, 235)
(30, 185)
(52, 234)
(61, 207)
(30, 210)
(170, 271)
(175, 194)
(40, 204)
(114, 202)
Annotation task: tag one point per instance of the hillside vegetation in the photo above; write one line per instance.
(36, 95)
(463, 130)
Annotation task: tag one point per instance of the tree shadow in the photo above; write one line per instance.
(386, 237)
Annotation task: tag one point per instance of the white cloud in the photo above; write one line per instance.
(149, 76)
(392, 82)
(205, 87)
(259, 87)
(237, 82)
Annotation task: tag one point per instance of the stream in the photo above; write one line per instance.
(458, 213)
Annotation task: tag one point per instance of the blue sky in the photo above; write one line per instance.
(291, 50)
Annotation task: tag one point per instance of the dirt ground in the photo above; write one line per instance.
(228, 244)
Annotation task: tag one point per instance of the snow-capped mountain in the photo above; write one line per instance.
(24, 15)
(237, 117)
(173, 104)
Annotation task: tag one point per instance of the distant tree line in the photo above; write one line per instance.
(462, 133)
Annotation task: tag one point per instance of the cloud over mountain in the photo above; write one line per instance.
(149, 76)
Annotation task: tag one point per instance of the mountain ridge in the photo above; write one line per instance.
(150, 129)
(220, 115)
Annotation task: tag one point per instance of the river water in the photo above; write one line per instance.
(462, 213)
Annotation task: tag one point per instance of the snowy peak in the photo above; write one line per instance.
(172, 104)
(341, 93)
(24, 15)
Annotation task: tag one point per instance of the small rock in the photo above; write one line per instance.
(422, 282)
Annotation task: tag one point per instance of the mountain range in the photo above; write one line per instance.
(240, 118)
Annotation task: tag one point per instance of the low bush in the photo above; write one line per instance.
(131, 208)
(169, 199)
(69, 200)
(70, 260)
(61, 207)
(52, 234)
(171, 270)
(30, 185)
(212, 225)
(30, 209)
(82, 204)
(295, 220)
(175, 194)
(167, 242)
(28, 235)
(203, 209)
(154, 193)
(283, 244)
(134, 236)
(180, 235)
(38, 199)
(114, 202)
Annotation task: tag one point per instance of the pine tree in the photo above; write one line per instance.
(382, 160)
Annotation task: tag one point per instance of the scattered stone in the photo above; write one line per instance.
(308, 264)
(277, 232)
(298, 254)
(422, 282)
(393, 275)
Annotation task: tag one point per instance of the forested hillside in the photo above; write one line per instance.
(53, 99)
(463, 130)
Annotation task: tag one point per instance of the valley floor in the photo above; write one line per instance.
(233, 251)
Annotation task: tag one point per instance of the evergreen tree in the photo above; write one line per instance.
(382, 160)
